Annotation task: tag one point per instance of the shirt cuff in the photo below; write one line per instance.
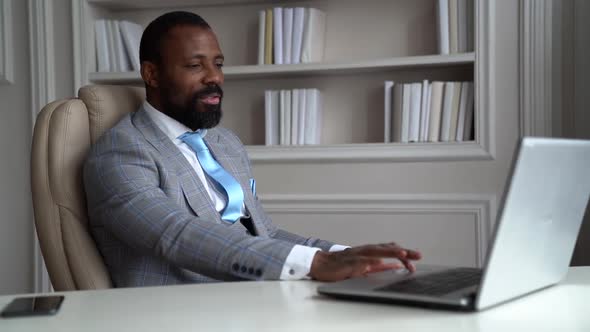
(298, 263)
(338, 247)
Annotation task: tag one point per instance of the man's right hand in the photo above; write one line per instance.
(358, 261)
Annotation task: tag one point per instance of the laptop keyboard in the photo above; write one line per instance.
(436, 284)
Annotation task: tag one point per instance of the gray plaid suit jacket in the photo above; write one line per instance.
(154, 223)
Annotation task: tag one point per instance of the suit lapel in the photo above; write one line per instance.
(232, 163)
(193, 190)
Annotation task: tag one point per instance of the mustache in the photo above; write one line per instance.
(209, 89)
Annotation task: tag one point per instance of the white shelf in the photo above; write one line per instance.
(144, 4)
(308, 69)
(391, 152)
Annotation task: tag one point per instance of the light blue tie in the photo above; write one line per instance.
(233, 191)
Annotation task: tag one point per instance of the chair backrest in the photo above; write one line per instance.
(64, 132)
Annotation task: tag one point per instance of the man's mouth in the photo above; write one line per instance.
(212, 99)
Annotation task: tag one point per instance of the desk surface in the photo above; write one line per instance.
(296, 306)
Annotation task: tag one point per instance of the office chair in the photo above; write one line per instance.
(64, 132)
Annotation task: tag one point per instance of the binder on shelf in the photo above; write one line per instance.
(115, 63)
(295, 116)
(298, 23)
(462, 25)
(397, 109)
(415, 107)
(387, 108)
(302, 117)
(406, 111)
(287, 34)
(131, 34)
(268, 37)
(271, 116)
(443, 26)
(453, 27)
(455, 110)
(436, 101)
(278, 35)
(468, 123)
(445, 126)
(261, 36)
(424, 112)
(102, 46)
(314, 34)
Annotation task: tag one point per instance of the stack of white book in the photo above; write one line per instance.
(455, 26)
(293, 117)
(291, 35)
(429, 111)
(117, 45)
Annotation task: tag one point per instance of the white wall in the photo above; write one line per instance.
(16, 263)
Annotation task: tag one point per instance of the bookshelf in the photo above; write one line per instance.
(367, 43)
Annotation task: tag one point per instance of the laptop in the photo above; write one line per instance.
(536, 231)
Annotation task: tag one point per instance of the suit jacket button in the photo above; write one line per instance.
(244, 269)
(235, 267)
(258, 272)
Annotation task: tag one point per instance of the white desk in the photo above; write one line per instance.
(295, 306)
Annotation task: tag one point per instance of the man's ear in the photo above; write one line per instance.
(149, 74)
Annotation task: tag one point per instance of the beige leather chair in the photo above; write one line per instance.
(64, 131)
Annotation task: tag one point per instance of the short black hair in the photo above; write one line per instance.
(153, 35)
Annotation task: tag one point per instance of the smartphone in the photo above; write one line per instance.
(33, 306)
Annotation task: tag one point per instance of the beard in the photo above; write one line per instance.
(195, 114)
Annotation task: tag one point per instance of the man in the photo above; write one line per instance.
(170, 195)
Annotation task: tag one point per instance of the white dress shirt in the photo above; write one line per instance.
(298, 262)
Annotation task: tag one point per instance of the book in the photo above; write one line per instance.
(313, 117)
(470, 28)
(298, 23)
(415, 107)
(462, 25)
(282, 115)
(453, 27)
(287, 34)
(131, 33)
(122, 59)
(468, 123)
(455, 110)
(462, 111)
(406, 102)
(302, 115)
(294, 116)
(436, 101)
(115, 65)
(423, 112)
(271, 117)
(387, 103)
(314, 33)
(443, 26)
(427, 120)
(278, 35)
(102, 49)
(268, 37)
(396, 117)
(445, 126)
(261, 36)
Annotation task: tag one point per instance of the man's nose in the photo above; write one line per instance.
(214, 76)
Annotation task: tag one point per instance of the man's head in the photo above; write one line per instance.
(181, 67)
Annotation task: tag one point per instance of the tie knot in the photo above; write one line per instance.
(194, 140)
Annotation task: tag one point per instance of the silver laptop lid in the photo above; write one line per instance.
(544, 204)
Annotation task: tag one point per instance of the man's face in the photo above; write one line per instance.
(190, 77)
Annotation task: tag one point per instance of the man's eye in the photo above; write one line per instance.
(194, 65)
(219, 65)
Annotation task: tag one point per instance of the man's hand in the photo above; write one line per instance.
(358, 261)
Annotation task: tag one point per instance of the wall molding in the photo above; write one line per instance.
(536, 68)
(481, 206)
(42, 92)
(6, 46)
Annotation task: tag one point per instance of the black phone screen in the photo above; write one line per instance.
(33, 306)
